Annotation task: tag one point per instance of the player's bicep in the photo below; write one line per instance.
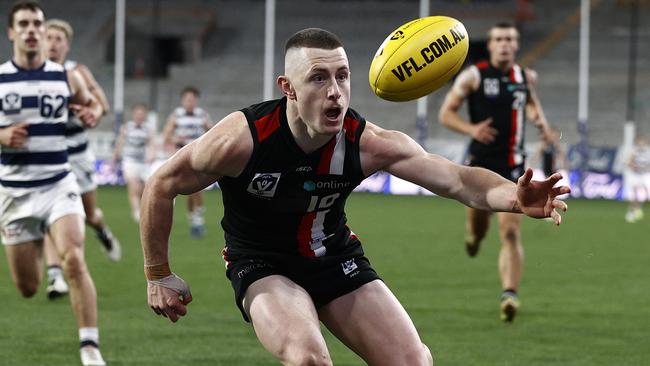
(225, 149)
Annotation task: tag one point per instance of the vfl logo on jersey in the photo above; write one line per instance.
(491, 87)
(264, 184)
(349, 266)
(12, 103)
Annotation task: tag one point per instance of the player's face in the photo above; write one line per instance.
(56, 44)
(139, 115)
(322, 88)
(189, 101)
(503, 45)
(27, 31)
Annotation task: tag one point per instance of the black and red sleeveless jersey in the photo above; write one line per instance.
(501, 96)
(286, 200)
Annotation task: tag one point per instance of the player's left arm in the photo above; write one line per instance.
(82, 102)
(94, 87)
(534, 109)
(398, 154)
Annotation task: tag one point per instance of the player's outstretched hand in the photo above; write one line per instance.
(169, 296)
(538, 199)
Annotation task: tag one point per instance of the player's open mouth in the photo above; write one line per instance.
(333, 113)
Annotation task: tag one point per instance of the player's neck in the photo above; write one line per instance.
(502, 65)
(307, 139)
(29, 60)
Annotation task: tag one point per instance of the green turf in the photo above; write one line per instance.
(585, 297)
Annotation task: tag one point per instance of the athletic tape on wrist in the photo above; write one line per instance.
(173, 282)
(157, 271)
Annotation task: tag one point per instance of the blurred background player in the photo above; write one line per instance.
(184, 125)
(551, 153)
(636, 176)
(37, 193)
(59, 36)
(500, 97)
(135, 147)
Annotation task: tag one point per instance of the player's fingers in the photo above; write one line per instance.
(559, 204)
(557, 218)
(176, 307)
(558, 191)
(554, 178)
(525, 179)
(187, 298)
(155, 310)
(75, 107)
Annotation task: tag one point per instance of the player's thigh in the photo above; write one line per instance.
(284, 316)
(67, 232)
(371, 321)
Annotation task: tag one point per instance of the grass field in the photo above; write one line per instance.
(585, 294)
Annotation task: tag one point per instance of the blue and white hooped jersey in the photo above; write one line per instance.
(135, 142)
(40, 98)
(75, 133)
(189, 125)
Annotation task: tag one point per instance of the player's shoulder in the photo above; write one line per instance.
(8, 68)
(71, 65)
(260, 110)
(51, 66)
(531, 75)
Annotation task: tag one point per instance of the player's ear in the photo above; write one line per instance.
(286, 88)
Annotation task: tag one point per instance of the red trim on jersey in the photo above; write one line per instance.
(350, 125)
(268, 124)
(482, 65)
(512, 143)
(304, 235)
(326, 158)
(224, 255)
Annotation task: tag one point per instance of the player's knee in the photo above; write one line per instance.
(510, 234)
(94, 216)
(304, 355)
(28, 287)
(74, 264)
(418, 355)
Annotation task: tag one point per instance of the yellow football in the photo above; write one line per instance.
(418, 58)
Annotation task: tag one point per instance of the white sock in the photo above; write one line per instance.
(54, 272)
(196, 217)
(89, 335)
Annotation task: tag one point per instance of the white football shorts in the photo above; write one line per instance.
(83, 167)
(25, 215)
(135, 170)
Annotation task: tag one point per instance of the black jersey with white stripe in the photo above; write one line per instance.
(502, 96)
(286, 200)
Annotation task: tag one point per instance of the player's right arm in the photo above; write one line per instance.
(14, 135)
(467, 82)
(93, 87)
(222, 151)
(117, 152)
(168, 132)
